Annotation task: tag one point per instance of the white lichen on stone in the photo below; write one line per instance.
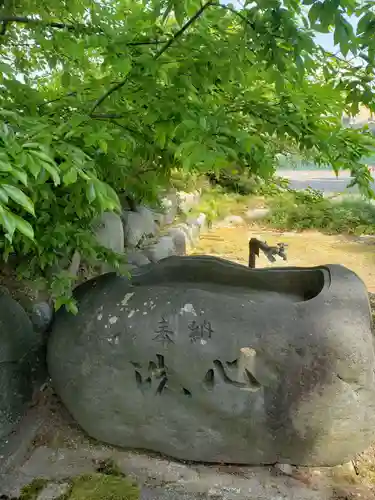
(126, 299)
(188, 308)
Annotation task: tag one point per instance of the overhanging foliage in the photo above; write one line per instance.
(104, 97)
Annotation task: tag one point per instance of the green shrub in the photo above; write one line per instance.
(301, 210)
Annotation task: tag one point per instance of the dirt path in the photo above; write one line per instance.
(304, 249)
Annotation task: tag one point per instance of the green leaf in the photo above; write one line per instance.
(65, 79)
(343, 34)
(31, 145)
(8, 222)
(71, 306)
(179, 11)
(33, 166)
(6, 68)
(42, 156)
(90, 192)
(5, 167)
(315, 12)
(19, 197)
(103, 145)
(20, 175)
(53, 172)
(70, 177)
(364, 22)
(24, 227)
(3, 196)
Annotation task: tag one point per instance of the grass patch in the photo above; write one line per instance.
(301, 210)
(103, 487)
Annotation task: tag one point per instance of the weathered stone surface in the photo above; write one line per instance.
(137, 258)
(75, 263)
(202, 221)
(233, 220)
(169, 205)
(41, 315)
(137, 226)
(20, 350)
(187, 201)
(194, 228)
(110, 233)
(180, 240)
(191, 235)
(164, 248)
(203, 359)
(150, 218)
(257, 213)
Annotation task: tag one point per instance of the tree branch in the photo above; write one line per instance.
(146, 42)
(181, 31)
(49, 24)
(107, 116)
(159, 53)
(5, 20)
(238, 14)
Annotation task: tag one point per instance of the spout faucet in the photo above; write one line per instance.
(269, 251)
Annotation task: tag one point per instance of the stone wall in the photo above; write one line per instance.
(147, 235)
(144, 235)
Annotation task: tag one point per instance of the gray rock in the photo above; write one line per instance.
(188, 231)
(109, 232)
(150, 218)
(41, 316)
(257, 213)
(234, 220)
(165, 247)
(137, 226)
(195, 228)
(169, 204)
(53, 491)
(202, 221)
(160, 219)
(206, 360)
(180, 240)
(75, 264)
(20, 353)
(187, 201)
(137, 258)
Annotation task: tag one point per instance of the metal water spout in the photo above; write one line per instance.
(269, 251)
